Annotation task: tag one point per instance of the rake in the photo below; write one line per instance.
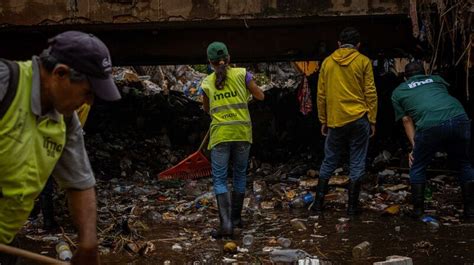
(192, 167)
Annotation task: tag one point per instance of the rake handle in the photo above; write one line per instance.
(29, 255)
(204, 141)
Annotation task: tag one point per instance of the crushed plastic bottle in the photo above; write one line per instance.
(302, 201)
(288, 255)
(298, 224)
(309, 261)
(63, 251)
(433, 224)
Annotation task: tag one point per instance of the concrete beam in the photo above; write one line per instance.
(48, 12)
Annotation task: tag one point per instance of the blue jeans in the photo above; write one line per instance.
(220, 156)
(454, 137)
(354, 135)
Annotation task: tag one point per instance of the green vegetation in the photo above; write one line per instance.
(261, 79)
(202, 68)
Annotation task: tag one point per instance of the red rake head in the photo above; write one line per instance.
(194, 166)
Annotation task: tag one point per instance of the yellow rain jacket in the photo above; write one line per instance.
(83, 113)
(346, 89)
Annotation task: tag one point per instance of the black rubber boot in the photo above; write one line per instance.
(237, 204)
(353, 202)
(468, 198)
(321, 190)
(224, 205)
(418, 199)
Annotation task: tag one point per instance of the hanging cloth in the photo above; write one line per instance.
(307, 67)
(304, 97)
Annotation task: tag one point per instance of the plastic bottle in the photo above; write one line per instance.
(428, 194)
(63, 250)
(362, 250)
(301, 201)
(284, 242)
(247, 240)
(343, 225)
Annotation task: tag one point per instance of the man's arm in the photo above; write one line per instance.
(256, 91)
(82, 205)
(409, 129)
(321, 101)
(370, 95)
(73, 173)
(205, 103)
(410, 132)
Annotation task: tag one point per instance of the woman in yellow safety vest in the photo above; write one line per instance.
(227, 92)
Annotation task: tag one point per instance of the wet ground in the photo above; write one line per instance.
(387, 235)
(152, 222)
(449, 245)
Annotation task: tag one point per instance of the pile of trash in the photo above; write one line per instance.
(186, 79)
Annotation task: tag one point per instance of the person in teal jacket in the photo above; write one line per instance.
(433, 121)
(40, 133)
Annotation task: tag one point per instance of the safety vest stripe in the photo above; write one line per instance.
(233, 122)
(228, 107)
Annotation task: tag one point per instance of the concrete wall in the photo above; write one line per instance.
(45, 12)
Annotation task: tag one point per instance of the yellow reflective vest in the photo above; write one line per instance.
(30, 147)
(228, 108)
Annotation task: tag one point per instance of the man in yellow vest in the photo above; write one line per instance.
(40, 133)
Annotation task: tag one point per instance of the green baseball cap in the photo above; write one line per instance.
(216, 51)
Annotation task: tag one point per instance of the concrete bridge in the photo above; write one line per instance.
(178, 31)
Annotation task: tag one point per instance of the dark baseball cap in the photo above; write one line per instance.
(217, 51)
(88, 55)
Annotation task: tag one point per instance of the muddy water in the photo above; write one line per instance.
(452, 244)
